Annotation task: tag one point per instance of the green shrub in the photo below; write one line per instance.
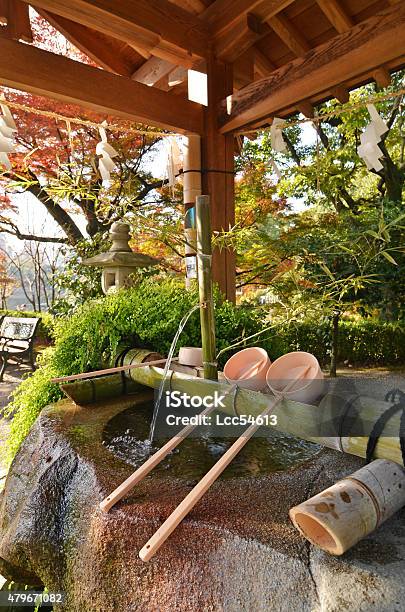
(45, 328)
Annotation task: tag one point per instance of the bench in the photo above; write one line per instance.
(17, 341)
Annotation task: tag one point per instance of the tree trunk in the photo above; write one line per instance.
(335, 343)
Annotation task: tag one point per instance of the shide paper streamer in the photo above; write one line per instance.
(369, 150)
(106, 154)
(7, 131)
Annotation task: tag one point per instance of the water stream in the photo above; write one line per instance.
(182, 325)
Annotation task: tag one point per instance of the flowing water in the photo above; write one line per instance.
(125, 437)
(182, 325)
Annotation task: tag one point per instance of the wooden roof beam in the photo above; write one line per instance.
(341, 93)
(104, 52)
(15, 19)
(379, 39)
(159, 26)
(334, 11)
(222, 15)
(239, 39)
(46, 74)
(152, 71)
(289, 34)
(263, 65)
(382, 77)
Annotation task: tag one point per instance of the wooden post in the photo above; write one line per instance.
(218, 168)
(191, 189)
(204, 258)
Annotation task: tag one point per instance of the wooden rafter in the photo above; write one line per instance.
(225, 14)
(239, 39)
(289, 34)
(334, 11)
(46, 74)
(351, 55)
(152, 71)
(382, 77)
(159, 26)
(247, 36)
(106, 52)
(263, 65)
(14, 18)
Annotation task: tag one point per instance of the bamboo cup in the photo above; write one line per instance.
(338, 518)
(188, 503)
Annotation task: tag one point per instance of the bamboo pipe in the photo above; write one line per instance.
(96, 373)
(295, 418)
(191, 189)
(204, 260)
(338, 518)
(188, 503)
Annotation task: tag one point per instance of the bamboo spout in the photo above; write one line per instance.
(204, 260)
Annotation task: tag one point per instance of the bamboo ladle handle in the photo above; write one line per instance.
(188, 503)
(152, 462)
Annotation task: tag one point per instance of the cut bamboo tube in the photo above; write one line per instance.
(338, 518)
(96, 373)
(84, 392)
(188, 503)
(204, 260)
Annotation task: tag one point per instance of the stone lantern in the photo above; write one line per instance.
(120, 261)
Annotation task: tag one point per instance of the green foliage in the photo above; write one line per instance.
(79, 283)
(35, 392)
(45, 330)
(365, 342)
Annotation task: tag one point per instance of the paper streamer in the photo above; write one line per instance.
(369, 150)
(7, 130)
(174, 160)
(277, 141)
(106, 154)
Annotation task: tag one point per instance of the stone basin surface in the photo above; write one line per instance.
(236, 551)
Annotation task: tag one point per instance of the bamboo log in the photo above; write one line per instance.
(191, 189)
(204, 259)
(311, 423)
(338, 518)
(83, 392)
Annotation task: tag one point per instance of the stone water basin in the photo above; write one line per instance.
(236, 551)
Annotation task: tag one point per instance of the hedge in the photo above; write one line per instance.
(366, 342)
(45, 329)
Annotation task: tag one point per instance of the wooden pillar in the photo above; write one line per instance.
(218, 168)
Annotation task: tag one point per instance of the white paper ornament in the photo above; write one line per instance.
(369, 150)
(106, 154)
(277, 141)
(7, 130)
(174, 160)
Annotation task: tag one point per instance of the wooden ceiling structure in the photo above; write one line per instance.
(263, 58)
